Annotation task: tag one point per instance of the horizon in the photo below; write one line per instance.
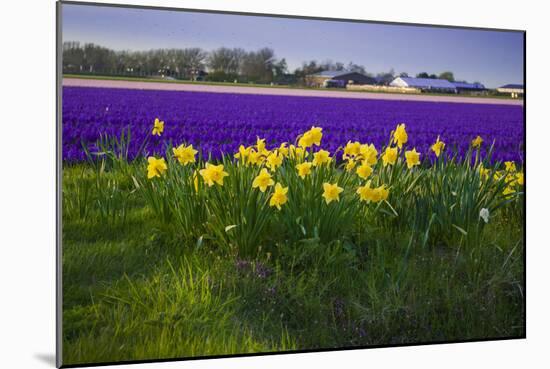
(494, 58)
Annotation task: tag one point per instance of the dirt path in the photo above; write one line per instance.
(281, 91)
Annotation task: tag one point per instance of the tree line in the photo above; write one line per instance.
(228, 64)
(223, 64)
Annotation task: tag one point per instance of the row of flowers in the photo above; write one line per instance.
(358, 157)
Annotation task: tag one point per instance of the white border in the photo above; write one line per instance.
(27, 182)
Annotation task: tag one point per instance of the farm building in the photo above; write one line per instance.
(425, 84)
(329, 78)
(513, 89)
(465, 87)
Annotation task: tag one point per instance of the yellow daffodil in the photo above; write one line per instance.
(260, 144)
(366, 193)
(476, 142)
(155, 167)
(255, 158)
(438, 146)
(508, 192)
(400, 135)
(304, 169)
(274, 160)
(279, 196)
(381, 193)
(390, 156)
(352, 149)
(413, 158)
(350, 165)
(297, 153)
(213, 174)
(243, 153)
(306, 140)
(185, 154)
(520, 180)
(331, 192)
(369, 154)
(316, 135)
(511, 179)
(158, 127)
(364, 170)
(321, 157)
(510, 166)
(283, 150)
(263, 180)
(483, 172)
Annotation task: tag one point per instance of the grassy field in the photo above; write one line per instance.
(158, 268)
(294, 87)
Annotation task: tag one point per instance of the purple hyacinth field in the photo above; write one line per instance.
(220, 122)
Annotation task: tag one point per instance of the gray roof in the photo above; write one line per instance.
(332, 73)
(473, 86)
(428, 83)
(512, 86)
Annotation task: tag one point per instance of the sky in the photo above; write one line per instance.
(493, 58)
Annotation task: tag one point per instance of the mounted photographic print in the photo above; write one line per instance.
(243, 184)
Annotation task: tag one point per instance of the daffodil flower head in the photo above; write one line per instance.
(366, 193)
(510, 166)
(316, 134)
(260, 144)
(283, 150)
(256, 157)
(184, 154)
(369, 154)
(263, 180)
(321, 157)
(304, 169)
(476, 142)
(350, 164)
(331, 192)
(483, 172)
(158, 127)
(508, 192)
(400, 136)
(381, 193)
(520, 179)
(243, 153)
(297, 153)
(390, 156)
(438, 147)
(155, 167)
(279, 196)
(274, 160)
(306, 140)
(212, 174)
(364, 171)
(412, 157)
(352, 149)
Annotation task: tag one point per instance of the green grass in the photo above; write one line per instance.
(138, 285)
(263, 85)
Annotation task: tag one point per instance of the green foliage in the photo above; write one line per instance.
(170, 267)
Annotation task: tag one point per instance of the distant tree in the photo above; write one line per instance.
(448, 76)
(433, 76)
(280, 69)
(258, 65)
(226, 60)
(403, 74)
(352, 67)
(385, 78)
(423, 75)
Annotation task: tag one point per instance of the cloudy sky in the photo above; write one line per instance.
(491, 57)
